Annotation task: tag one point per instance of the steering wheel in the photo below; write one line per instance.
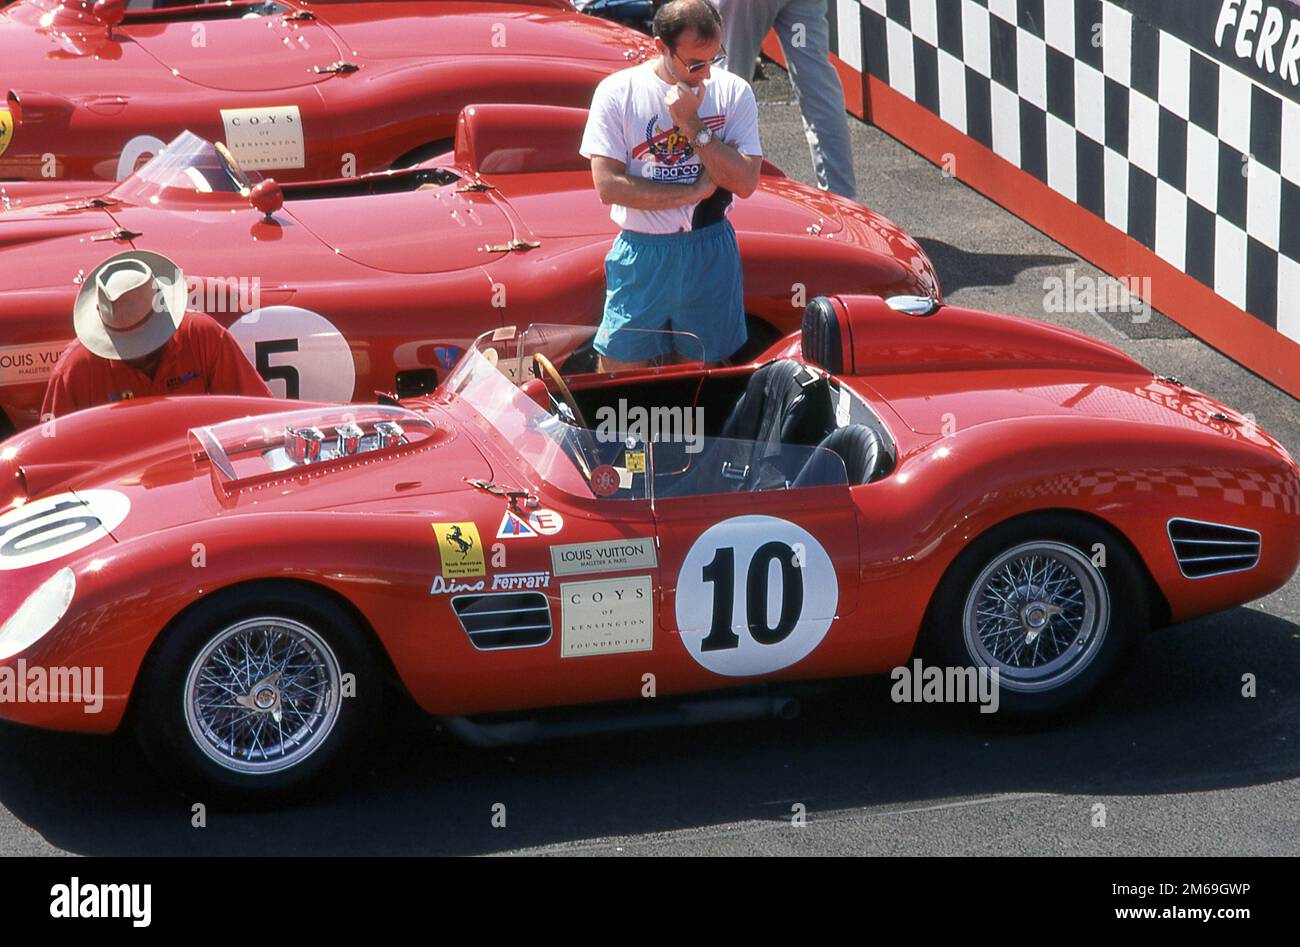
(547, 368)
(583, 445)
(232, 168)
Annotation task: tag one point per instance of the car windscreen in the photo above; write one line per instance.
(499, 378)
(504, 378)
(188, 166)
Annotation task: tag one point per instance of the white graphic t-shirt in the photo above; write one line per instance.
(629, 122)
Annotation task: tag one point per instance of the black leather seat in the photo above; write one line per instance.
(855, 444)
(784, 402)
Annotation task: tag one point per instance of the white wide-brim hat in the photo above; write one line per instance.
(130, 305)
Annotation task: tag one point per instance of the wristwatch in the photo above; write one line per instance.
(704, 136)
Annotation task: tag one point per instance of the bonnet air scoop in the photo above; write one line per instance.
(311, 443)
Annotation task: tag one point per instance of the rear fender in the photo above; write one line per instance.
(1133, 477)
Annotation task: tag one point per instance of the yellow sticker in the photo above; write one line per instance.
(636, 461)
(6, 129)
(459, 549)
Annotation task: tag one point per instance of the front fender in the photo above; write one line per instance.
(65, 450)
(129, 593)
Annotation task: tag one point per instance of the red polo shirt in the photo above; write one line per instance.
(201, 358)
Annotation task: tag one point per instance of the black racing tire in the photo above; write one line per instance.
(1092, 637)
(313, 642)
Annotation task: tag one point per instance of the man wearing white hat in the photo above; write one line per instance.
(135, 340)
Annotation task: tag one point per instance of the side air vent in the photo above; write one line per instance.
(504, 620)
(1206, 549)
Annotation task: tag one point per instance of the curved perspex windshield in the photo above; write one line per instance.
(187, 166)
(506, 377)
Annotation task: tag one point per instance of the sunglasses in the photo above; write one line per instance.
(717, 60)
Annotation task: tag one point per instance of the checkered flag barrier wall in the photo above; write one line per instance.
(1174, 121)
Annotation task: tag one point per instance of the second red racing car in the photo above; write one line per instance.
(301, 90)
(338, 288)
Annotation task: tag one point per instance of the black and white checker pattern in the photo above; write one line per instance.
(1190, 157)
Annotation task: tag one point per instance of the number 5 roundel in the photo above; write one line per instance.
(298, 353)
(755, 594)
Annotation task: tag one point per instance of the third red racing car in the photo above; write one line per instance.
(338, 288)
(296, 89)
(247, 574)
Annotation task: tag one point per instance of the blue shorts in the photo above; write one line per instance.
(680, 282)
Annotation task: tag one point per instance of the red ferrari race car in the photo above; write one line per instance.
(246, 577)
(302, 90)
(379, 282)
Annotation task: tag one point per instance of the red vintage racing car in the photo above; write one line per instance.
(301, 90)
(528, 536)
(378, 282)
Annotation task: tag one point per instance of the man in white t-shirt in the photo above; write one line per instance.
(670, 142)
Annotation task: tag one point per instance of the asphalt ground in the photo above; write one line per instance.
(1172, 758)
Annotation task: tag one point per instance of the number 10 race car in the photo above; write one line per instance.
(900, 478)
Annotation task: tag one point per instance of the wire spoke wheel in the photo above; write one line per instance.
(263, 695)
(1038, 613)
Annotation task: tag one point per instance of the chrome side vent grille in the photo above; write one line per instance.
(504, 620)
(1206, 549)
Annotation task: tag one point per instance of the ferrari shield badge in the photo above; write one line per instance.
(6, 129)
(459, 549)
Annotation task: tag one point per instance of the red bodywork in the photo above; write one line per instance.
(1045, 419)
(90, 101)
(377, 282)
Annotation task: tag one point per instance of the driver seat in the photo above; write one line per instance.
(783, 402)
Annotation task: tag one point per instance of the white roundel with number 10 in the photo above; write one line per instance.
(755, 594)
(59, 525)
